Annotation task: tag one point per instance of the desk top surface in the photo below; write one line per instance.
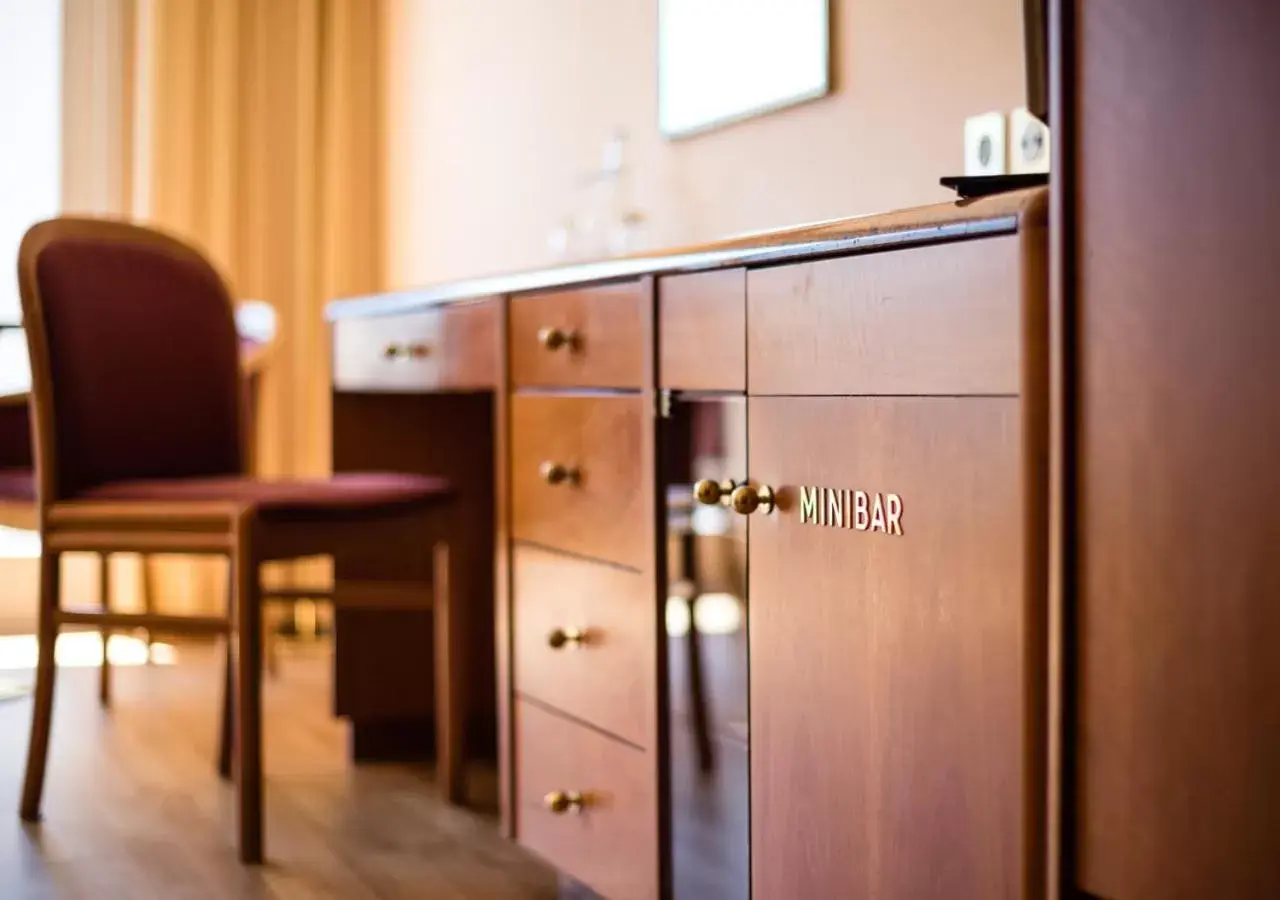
(1001, 214)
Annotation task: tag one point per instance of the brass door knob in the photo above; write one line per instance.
(558, 473)
(747, 498)
(392, 350)
(561, 802)
(711, 492)
(554, 338)
(566, 637)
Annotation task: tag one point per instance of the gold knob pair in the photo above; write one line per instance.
(561, 802)
(744, 499)
(406, 351)
(558, 473)
(567, 637)
(554, 338)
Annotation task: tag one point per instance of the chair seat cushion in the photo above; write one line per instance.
(342, 496)
(18, 485)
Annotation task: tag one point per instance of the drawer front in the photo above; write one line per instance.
(941, 320)
(576, 480)
(610, 842)
(584, 641)
(588, 337)
(452, 347)
(702, 321)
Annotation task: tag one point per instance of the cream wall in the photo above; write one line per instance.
(496, 106)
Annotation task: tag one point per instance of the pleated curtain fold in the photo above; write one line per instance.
(255, 129)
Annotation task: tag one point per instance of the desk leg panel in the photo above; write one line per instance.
(383, 674)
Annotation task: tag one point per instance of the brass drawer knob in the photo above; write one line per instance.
(561, 802)
(747, 498)
(710, 492)
(566, 637)
(554, 338)
(406, 351)
(557, 473)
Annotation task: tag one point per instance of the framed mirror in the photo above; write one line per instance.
(721, 61)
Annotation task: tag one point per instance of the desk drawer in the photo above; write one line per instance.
(943, 320)
(586, 337)
(576, 480)
(610, 841)
(450, 347)
(584, 641)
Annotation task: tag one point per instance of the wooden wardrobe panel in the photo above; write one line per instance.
(1174, 272)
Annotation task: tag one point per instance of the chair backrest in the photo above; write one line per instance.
(134, 357)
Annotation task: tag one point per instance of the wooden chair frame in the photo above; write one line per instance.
(229, 530)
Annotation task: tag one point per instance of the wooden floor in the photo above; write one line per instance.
(134, 808)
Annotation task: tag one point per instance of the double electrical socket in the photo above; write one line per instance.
(999, 144)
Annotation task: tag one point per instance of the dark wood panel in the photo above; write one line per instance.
(452, 347)
(383, 660)
(611, 844)
(604, 330)
(1173, 268)
(608, 678)
(600, 512)
(890, 683)
(702, 322)
(929, 320)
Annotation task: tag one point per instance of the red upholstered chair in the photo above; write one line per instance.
(136, 410)
(18, 493)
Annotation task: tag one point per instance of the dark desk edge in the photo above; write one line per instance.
(955, 221)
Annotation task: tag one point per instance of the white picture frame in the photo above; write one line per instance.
(722, 61)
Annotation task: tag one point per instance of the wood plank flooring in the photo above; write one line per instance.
(134, 809)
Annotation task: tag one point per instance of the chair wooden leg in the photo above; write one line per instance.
(148, 598)
(104, 674)
(269, 647)
(247, 641)
(449, 644)
(697, 679)
(226, 730)
(698, 693)
(46, 672)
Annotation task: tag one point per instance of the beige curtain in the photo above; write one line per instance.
(253, 128)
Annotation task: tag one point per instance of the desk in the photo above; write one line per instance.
(862, 407)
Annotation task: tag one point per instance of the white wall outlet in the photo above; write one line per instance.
(985, 144)
(1028, 143)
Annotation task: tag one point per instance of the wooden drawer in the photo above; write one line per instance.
(702, 321)
(584, 641)
(610, 843)
(450, 347)
(586, 337)
(598, 509)
(939, 320)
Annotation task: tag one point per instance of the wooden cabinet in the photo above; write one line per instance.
(938, 319)
(587, 804)
(854, 703)
(583, 641)
(454, 347)
(588, 337)
(576, 480)
(892, 696)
